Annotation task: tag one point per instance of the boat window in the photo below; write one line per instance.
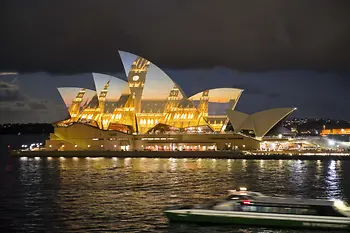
(280, 210)
(236, 197)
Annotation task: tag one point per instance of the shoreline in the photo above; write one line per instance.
(185, 154)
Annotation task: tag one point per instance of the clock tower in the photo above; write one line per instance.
(203, 103)
(173, 99)
(75, 108)
(136, 80)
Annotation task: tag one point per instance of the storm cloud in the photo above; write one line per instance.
(9, 92)
(19, 107)
(255, 35)
(284, 53)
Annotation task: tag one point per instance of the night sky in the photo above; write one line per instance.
(283, 53)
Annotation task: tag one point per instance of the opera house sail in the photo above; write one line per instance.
(150, 111)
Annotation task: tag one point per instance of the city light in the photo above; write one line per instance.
(331, 142)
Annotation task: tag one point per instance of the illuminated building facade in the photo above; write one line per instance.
(151, 112)
(343, 131)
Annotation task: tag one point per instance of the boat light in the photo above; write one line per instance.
(339, 204)
(246, 202)
(242, 189)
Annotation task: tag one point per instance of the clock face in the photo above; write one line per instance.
(135, 78)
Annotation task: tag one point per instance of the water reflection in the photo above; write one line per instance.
(280, 163)
(261, 163)
(129, 194)
(229, 165)
(244, 165)
(298, 172)
(332, 181)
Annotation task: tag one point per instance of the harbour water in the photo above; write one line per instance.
(128, 195)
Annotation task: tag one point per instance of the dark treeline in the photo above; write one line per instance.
(21, 129)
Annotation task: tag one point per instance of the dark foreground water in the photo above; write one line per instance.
(128, 195)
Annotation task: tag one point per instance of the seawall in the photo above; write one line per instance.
(184, 154)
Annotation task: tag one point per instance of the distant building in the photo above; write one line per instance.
(325, 132)
(151, 112)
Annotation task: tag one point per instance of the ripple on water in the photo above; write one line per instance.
(128, 195)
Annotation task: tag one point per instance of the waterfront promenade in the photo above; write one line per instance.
(273, 155)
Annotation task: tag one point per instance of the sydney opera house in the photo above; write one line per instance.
(149, 111)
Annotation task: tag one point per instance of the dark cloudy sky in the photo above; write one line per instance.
(282, 52)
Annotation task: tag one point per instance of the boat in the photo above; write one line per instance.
(244, 207)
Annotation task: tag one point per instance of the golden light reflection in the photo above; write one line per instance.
(199, 163)
(280, 162)
(244, 165)
(127, 162)
(173, 164)
(213, 163)
(152, 184)
(338, 163)
(261, 163)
